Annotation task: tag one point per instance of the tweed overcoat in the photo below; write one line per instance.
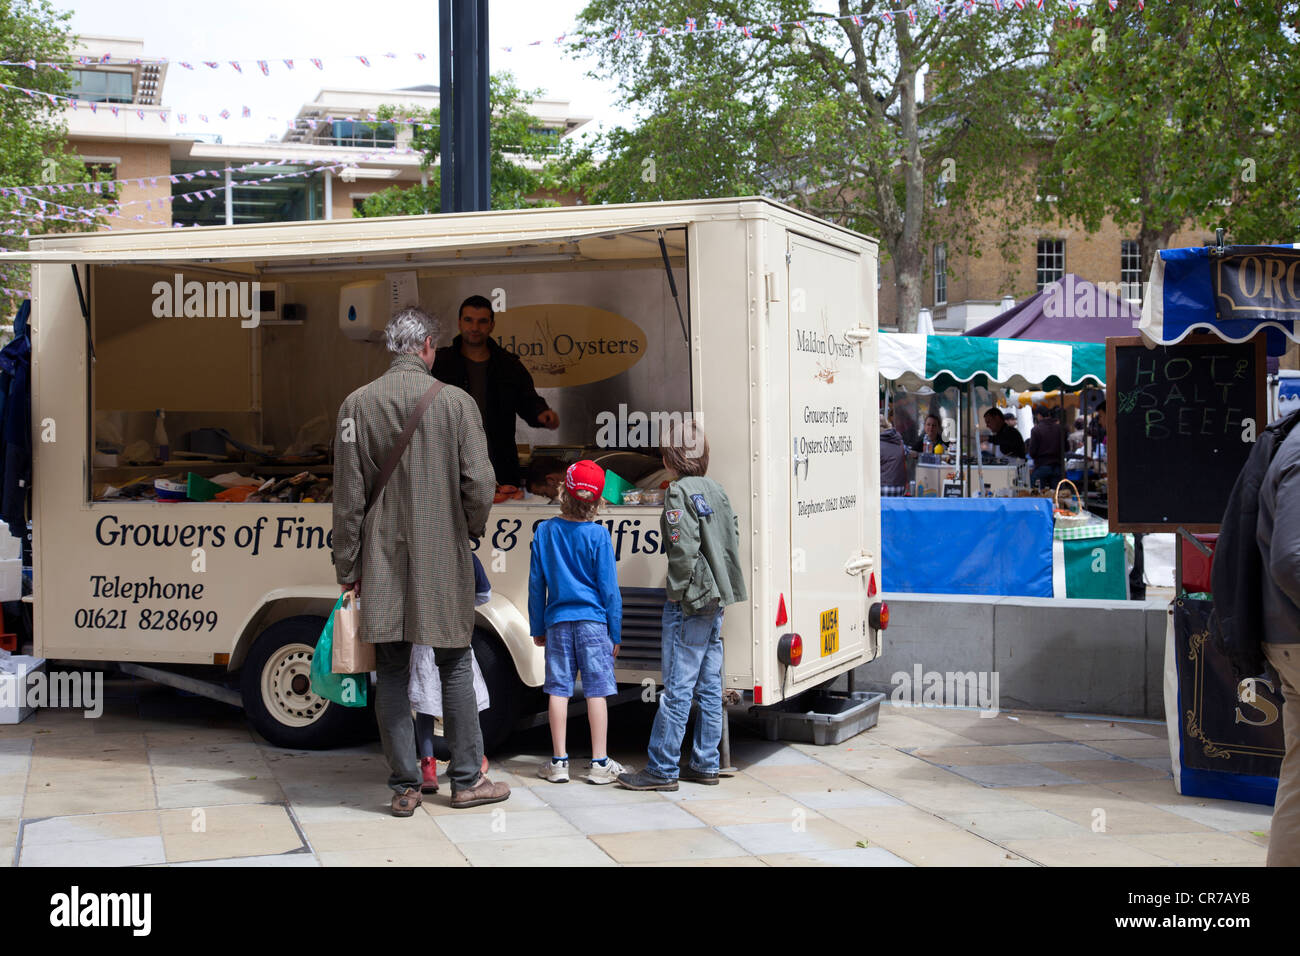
(412, 552)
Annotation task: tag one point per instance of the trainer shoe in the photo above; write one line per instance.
(645, 780)
(605, 773)
(554, 772)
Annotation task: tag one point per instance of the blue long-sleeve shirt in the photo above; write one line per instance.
(573, 577)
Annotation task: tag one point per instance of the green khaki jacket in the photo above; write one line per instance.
(701, 536)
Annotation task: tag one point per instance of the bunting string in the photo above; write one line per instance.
(264, 66)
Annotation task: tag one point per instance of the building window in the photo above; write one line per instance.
(940, 274)
(1051, 261)
(103, 173)
(352, 133)
(941, 192)
(1130, 270)
(101, 86)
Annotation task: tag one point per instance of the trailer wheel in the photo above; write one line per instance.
(275, 683)
(505, 694)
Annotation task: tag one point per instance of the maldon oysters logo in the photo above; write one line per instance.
(565, 345)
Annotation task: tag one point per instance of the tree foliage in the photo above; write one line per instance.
(522, 156)
(1182, 114)
(827, 118)
(33, 143)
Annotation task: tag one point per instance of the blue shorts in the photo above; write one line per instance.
(579, 647)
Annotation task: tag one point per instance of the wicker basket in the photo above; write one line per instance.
(1064, 517)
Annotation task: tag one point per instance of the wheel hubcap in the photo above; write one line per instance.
(286, 686)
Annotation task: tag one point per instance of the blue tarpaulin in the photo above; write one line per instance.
(1000, 546)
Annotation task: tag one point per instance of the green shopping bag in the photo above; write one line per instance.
(349, 690)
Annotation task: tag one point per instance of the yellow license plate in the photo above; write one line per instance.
(830, 631)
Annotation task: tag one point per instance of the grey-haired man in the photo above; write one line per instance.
(412, 551)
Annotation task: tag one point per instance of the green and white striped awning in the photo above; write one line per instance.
(948, 360)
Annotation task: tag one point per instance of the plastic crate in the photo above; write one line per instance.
(820, 717)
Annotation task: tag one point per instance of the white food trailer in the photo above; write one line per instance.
(756, 318)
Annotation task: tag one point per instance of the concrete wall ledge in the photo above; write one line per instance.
(1094, 657)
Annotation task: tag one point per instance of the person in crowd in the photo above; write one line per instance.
(545, 477)
(1002, 437)
(893, 461)
(1097, 427)
(410, 546)
(498, 382)
(575, 611)
(1077, 437)
(931, 434)
(1045, 448)
(702, 539)
(426, 692)
(1277, 532)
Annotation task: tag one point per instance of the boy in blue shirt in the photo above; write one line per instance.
(575, 611)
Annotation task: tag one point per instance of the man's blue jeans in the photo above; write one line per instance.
(692, 669)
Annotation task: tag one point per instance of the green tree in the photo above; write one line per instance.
(522, 162)
(33, 144)
(1181, 114)
(827, 117)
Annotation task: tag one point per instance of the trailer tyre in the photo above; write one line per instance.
(275, 683)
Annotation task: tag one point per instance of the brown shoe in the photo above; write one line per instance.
(483, 792)
(404, 803)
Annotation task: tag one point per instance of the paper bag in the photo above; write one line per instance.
(351, 655)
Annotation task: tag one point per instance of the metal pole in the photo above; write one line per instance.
(446, 108)
(464, 100)
(329, 194)
(230, 197)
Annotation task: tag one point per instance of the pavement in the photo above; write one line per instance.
(165, 779)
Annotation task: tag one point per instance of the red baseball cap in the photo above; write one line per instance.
(584, 480)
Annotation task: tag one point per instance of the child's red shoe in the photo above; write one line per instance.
(429, 773)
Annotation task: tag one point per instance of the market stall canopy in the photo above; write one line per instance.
(949, 360)
(1232, 292)
(1071, 309)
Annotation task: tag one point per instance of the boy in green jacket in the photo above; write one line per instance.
(701, 537)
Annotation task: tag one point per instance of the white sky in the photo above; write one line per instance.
(336, 31)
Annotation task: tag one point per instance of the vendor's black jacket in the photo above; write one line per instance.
(1009, 442)
(510, 392)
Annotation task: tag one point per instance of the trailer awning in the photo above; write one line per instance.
(949, 360)
(367, 244)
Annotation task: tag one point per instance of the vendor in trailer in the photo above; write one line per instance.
(931, 435)
(497, 381)
(1003, 439)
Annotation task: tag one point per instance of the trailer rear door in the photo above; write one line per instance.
(829, 402)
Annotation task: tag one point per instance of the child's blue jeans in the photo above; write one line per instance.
(692, 670)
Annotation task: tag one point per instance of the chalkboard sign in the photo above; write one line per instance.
(1181, 421)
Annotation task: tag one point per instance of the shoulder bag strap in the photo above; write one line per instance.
(403, 440)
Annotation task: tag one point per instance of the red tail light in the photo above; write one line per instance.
(871, 585)
(758, 694)
(789, 650)
(878, 617)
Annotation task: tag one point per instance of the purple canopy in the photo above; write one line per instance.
(1072, 309)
